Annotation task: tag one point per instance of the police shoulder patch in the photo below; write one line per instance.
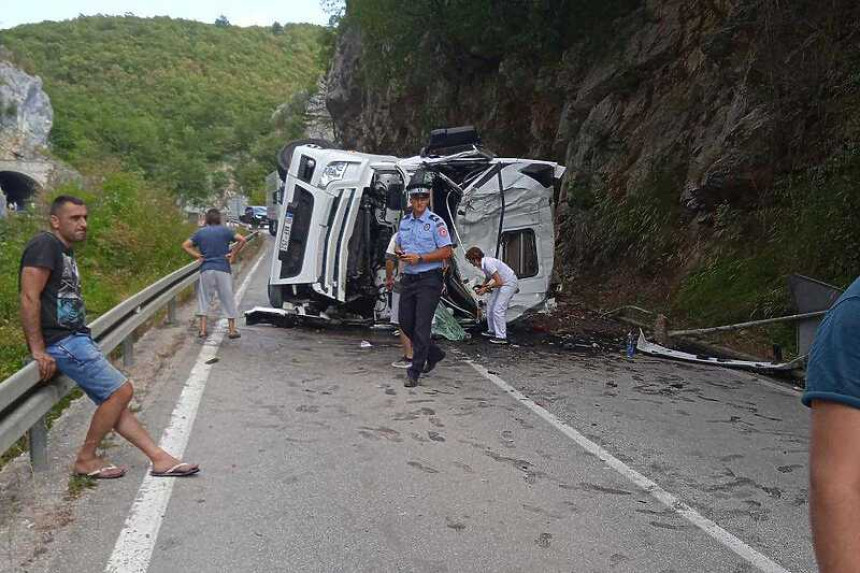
(443, 231)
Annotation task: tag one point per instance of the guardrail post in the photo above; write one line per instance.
(38, 437)
(128, 351)
(171, 311)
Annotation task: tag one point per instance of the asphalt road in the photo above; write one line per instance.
(316, 458)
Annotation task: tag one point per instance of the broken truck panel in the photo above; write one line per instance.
(508, 214)
(340, 209)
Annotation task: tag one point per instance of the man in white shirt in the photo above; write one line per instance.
(502, 281)
(393, 270)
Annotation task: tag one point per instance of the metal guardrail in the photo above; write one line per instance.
(25, 400)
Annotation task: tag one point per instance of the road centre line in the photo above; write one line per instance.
(133, 550)
(756, 559)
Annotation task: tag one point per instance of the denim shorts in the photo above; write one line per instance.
(79, 358)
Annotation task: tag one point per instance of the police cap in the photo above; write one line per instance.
(421, 183)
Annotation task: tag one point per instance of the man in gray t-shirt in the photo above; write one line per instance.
(211, 246)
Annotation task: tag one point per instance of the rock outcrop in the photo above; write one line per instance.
(695, 104)
(26, 115)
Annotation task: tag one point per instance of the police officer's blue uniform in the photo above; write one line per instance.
(422, 287)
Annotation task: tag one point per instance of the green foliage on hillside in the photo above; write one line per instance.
(809, 227)
(172, 99)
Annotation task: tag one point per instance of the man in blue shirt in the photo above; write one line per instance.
(211, 246)
(833, 394)
(424, 244)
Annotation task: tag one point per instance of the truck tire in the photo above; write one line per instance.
(276, 296)
(273, 227)
(286, 153)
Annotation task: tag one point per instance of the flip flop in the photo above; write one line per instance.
(107, 472)
(182, 469)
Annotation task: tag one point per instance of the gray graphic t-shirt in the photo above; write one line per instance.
(63, 311)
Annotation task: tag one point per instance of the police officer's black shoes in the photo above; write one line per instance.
(432, 362)
(411, 380)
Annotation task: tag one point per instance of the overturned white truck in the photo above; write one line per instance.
(340, 209)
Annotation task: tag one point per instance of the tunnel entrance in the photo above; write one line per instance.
(19, 189)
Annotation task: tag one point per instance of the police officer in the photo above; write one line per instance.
(424, 243)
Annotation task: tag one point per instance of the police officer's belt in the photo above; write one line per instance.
(415, 276)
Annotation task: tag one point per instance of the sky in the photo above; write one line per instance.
(245, 13)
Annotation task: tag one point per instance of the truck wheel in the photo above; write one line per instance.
(286, 153)
(273, 228)
(276, 296)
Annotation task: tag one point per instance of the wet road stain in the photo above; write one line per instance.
(602, 489)
(380, 433)
(789, 468)
(465, 467)
(308, 409)
(422, 467)
(522, 465)
(541, 511)
(544, 540)
(435, 436)
(661, 525)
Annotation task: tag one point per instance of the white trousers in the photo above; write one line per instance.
(212, 282)
(497, 308)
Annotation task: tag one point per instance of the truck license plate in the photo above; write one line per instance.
(285, 235)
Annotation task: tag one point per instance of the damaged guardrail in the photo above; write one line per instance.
(25, 401)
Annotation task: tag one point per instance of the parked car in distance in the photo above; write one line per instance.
(256, 216)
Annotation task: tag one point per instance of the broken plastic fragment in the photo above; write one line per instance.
(365, 344)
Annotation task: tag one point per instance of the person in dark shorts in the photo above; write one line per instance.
(54, 320)
(393, 272)
(211, 246)
(833, 394)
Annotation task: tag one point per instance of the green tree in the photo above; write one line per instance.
(173, 100)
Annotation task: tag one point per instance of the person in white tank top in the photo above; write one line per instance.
(501, 280)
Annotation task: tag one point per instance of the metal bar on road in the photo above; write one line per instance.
(791, 318)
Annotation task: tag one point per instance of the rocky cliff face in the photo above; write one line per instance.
(26, 115)
(688, 107)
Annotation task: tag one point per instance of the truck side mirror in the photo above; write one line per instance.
(394, 200)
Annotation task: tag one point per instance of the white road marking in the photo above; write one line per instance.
(133, 549)
(756, 559)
